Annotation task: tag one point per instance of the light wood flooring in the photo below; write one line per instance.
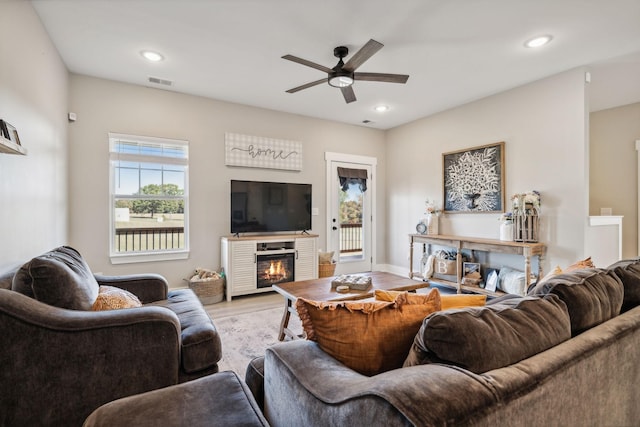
(245, 304)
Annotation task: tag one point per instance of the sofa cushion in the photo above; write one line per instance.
(60, 278)
(201, 346)
(112, 298)
(480, 339)
(592, 296)
(629, 273)
(368, 337)
(446, 301)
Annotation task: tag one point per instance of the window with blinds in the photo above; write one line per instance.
(149, 198)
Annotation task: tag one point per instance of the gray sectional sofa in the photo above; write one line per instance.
(591, 377)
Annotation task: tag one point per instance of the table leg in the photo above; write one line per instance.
(411, 257)
(458, 271)
(527, 272)
(285, 319)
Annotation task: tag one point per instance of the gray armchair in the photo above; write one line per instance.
(59, 364)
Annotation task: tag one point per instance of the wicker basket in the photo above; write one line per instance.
(326, 270)
(210, 291)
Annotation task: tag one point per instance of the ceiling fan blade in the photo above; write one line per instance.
(348, 93)
(307, 63)
(381, 77)
(307, 85)
(365, 52)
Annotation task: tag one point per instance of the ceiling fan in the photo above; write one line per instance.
(343, 75)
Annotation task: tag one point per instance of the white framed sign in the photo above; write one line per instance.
(259, 152)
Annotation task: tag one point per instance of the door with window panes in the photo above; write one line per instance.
(351, 217)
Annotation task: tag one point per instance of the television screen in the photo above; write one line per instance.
(270, 206)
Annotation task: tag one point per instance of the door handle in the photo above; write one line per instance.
(334, 227)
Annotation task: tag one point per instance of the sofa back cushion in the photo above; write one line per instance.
(60, 278)
(629, 273)
(480, 339)
(368, 337)
(592, 296)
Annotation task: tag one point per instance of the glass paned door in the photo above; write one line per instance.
(351, 222)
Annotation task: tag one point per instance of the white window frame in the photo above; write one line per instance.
(146, 256)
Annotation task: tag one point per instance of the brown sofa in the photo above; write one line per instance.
(590, 376)
(60, 360)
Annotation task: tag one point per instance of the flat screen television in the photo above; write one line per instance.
(260, 207)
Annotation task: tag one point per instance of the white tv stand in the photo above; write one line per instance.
(239, 256)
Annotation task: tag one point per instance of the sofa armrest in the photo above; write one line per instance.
(147, 287)
(65, 363)
(326, 389)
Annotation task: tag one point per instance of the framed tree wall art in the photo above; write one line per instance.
(473, 179)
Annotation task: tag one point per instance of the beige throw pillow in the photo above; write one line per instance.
(325, 257)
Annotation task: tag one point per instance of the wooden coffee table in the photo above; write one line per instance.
(320, 290)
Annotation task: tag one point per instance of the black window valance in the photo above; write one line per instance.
(349, 176)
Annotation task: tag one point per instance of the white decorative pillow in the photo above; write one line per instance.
(511, 281)
(325, 257)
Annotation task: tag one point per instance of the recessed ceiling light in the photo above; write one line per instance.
(538, 41)
(151, 55)
(381, 108)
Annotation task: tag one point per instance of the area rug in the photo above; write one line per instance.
(247, 336)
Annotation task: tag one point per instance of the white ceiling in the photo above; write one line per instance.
(454, 51)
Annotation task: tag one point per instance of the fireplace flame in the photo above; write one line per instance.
(276, 270)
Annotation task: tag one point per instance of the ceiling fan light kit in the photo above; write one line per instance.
(340, 81)
(343, 75)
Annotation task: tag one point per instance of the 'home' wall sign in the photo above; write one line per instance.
(258, 152)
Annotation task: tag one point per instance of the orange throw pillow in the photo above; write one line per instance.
(579, 265)
(368, 337)
(447, 301)
(463, 300)
(112, 298)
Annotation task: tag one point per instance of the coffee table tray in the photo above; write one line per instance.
(361, 283)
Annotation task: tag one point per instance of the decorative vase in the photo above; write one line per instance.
(526, 223)
(432, 224)
(506, 231)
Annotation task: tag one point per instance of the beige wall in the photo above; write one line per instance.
(58, 193)
(543, 126)
(104, 106)
(614, 169)
(33, 98)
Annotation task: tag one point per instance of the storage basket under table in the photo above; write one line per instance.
(209, 291)
(326, 270)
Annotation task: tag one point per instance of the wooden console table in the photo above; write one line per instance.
(527, 250)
